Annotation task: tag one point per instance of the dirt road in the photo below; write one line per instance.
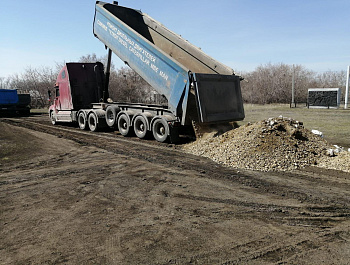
(75, 197)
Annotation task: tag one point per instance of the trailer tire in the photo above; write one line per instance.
(160, 130)
(124, 124)
(93, 122)
(53, 118)
(140, 127)
(111, 115)
(82, 121)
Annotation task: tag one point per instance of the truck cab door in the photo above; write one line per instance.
(56, 101)
(63, 99)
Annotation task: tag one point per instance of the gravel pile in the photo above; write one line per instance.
(275, 144)
(339, 161)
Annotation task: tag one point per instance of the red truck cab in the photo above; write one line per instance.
(78, 85)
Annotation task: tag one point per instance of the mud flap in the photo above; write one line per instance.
(174, 134)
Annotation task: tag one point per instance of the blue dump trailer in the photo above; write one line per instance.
(199, 89)
(12, 103)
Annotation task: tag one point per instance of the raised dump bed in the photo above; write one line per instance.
(171, 65)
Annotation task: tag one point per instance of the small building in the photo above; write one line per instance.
(323, 97)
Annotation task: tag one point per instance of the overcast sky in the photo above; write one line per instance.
(240, 34)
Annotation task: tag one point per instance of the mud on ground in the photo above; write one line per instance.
(74, 197)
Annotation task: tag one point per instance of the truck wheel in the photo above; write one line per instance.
(124, 125)
(82, 121)
(92, 121)
(140, 127)
(160, 130)
(111, 115)
(53, 118)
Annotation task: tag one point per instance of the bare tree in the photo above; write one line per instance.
(92, 58)
(36, 81)
(269, 83)
(5, 83)
(272, 83)
(331, 79)
(127, 85)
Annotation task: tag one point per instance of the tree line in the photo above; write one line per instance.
(272, 83)
(269, 83)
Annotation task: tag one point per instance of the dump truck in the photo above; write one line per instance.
(198, 88)
(14, 102)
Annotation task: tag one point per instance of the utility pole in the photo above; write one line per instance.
(293, 86)
(347, 89)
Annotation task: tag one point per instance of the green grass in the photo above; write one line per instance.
(39, 111)
(334, 123)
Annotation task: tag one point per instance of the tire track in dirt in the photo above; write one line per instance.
(279, 184)
(317, 215)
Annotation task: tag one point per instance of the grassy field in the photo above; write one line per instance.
(39, 111)
(334, 123)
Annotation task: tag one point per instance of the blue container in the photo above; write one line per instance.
(8, 97)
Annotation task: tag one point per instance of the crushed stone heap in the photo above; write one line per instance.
(269, 145)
